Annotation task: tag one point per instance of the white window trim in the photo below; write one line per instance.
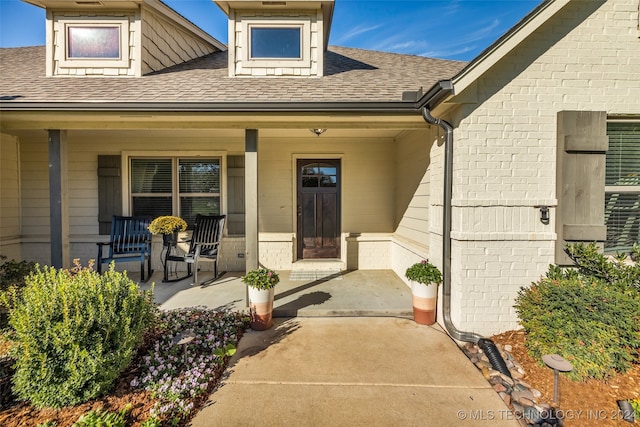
(63, 25)
(305, 46)
(126, 176)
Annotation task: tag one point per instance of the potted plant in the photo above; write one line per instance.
(424, 278)
(261, 283)
(168, 226)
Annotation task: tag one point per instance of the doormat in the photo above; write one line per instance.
(305, 276)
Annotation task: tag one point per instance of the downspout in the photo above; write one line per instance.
(486, 344)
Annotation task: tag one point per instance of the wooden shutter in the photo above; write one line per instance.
(235, 186)
(109, 191)
(582, 145)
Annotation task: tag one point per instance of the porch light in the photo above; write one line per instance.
(318, 132)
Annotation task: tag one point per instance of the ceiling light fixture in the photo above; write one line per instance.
(318, 131)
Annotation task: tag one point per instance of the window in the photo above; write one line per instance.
(93, 42)
(282, 42)
(175, 186)
(622, 187)
(274, 42)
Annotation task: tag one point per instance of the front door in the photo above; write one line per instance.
(318, 208)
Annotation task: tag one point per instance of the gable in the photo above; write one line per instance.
(119, 39)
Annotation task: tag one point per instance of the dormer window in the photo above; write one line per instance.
(283, 42)
(93, 42)
(275, 42)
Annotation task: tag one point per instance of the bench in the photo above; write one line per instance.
(130, 240)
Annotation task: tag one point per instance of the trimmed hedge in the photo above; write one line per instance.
(76, 331)
(592, 320)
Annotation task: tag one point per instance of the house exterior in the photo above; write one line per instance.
(167, 120)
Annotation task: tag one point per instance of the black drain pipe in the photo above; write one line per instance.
(485, 344)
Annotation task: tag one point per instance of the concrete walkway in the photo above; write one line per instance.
(352, 371)
(343, 352)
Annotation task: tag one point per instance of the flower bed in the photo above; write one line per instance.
(159, 386)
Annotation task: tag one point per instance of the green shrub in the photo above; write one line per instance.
(592, 323)
(102, 418)
(76, 331)
(12, 275)
(619, 270)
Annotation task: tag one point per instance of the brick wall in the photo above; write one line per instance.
(586, 57)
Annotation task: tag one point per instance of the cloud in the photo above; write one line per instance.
(356, 31)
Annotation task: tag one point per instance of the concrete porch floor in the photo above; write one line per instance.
(358, 293)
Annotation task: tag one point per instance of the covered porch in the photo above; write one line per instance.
(300, 293)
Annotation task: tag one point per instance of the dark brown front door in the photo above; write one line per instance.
(318, 208)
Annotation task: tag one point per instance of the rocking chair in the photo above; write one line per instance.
(204, 245)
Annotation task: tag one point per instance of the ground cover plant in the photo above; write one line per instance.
(178, 379)
(589, 314)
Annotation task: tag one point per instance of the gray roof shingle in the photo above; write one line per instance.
(351, 75)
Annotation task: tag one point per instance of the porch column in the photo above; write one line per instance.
(58, 198)
(251, 198)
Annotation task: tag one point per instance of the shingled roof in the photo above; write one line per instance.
(351, 75)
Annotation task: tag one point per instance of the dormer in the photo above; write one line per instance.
(277, 38)
(119, 38)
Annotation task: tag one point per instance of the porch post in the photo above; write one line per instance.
(58, 198)
(251, 198)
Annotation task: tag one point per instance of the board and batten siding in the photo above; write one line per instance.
(585, 58)
(10, 197)
(165, 44)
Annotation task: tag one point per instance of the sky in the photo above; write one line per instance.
(447, 29)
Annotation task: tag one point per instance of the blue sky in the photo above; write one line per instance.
(449, 29)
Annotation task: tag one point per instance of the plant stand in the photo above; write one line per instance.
(261, 308)
(424, 302)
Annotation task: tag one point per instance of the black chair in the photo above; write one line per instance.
(204, 245)
(130, 240)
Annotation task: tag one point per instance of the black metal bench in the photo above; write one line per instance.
(130, 241)
(204, 245)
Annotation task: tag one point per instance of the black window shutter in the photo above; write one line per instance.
(580, 171)
(109, 191)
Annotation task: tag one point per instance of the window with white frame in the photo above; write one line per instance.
(283, 42)
(91, 41)
(622, 187)
(175, 186)
(276, 42)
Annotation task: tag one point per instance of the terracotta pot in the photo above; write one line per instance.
(424, 302)
(261, 308)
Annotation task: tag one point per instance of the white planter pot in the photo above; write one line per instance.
(261, 308)
(424, 302)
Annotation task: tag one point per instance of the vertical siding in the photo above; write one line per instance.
(585, 58)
